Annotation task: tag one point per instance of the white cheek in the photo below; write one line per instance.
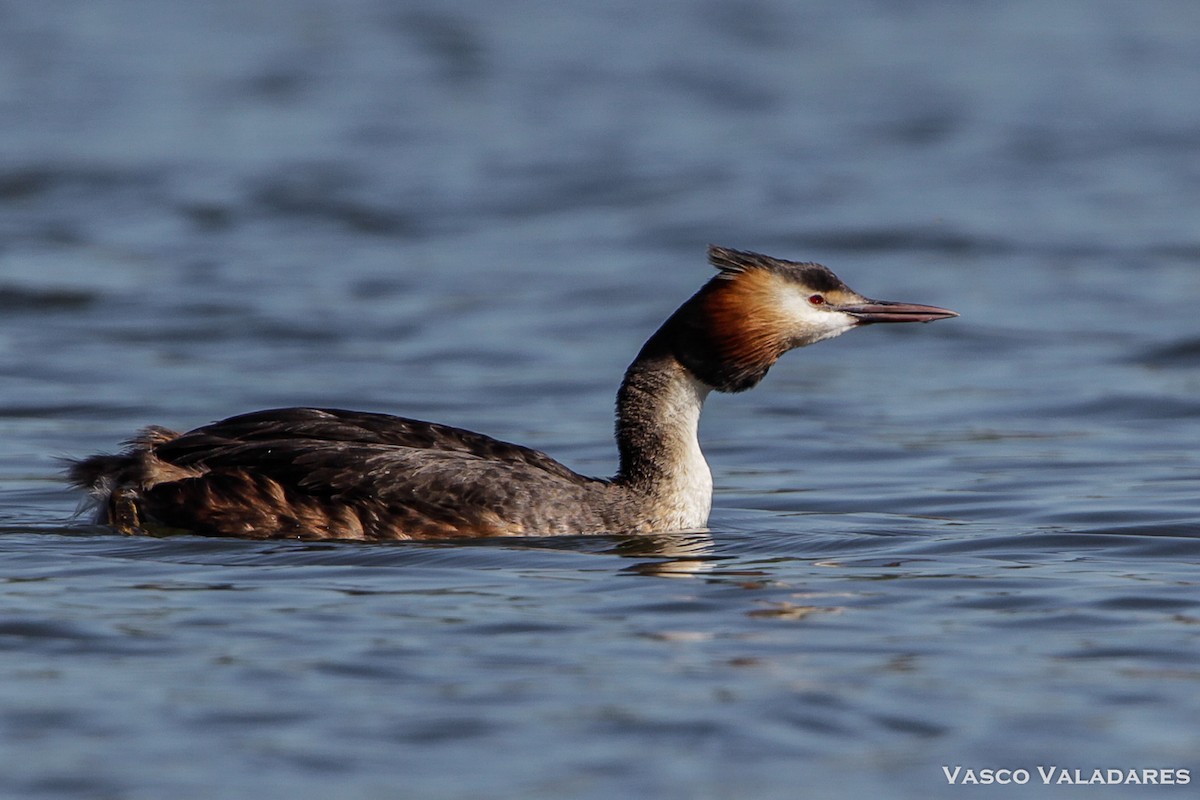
(814, 323)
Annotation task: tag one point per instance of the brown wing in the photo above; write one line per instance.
(323, 473)
(333, 425)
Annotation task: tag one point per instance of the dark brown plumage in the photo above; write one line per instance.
(330, 473)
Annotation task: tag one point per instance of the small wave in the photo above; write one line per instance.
(1179, 354)
(15, 299)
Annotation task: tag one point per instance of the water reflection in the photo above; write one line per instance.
(677, 555)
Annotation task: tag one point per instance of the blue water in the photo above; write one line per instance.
(972, 543)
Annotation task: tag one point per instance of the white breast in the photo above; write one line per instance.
(686, 495)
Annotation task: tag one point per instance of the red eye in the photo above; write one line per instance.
(816, 299)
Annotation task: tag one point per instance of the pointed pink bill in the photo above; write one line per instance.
(871, 311)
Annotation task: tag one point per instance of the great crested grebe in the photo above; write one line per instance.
(316, 473)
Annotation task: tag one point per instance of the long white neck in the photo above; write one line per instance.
(658, 416)
(715, 340)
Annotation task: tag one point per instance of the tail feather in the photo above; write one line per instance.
(114, 480)
(99, 473)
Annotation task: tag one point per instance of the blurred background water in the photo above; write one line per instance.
(973, 543)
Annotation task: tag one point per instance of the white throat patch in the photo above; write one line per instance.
(811, 323)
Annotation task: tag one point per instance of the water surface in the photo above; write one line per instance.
(972, 543)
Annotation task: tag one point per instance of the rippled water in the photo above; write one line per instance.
(973, 543)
